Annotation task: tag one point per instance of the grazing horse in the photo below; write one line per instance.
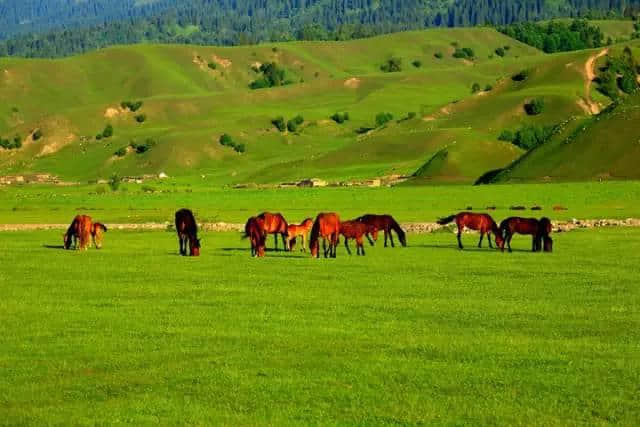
(538, 230)
(302, 230)
(474, 221)
(253, 232)
(354, 230)
(274, 224)
(80, 229)
(327, 227)
(386, 223)
(548, 244)
(187, 229)
(97, 231)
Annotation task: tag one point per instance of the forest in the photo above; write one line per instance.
(55, 28)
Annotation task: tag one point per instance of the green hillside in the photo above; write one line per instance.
(192, 95)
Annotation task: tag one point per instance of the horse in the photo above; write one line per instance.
(80, 229)
(327, 227)
(187, 230)
(274, 224)
(548, 244)
(302, 230)
(386, 223)
(474, 221)
(354, 230)
(538, 230)
(97, 231)
(253, 231)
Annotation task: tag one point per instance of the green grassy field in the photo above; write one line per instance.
(136, 334)
(46, 204)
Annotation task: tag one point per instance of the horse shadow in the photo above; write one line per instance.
(53, 246)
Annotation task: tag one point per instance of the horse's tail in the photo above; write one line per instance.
(399, 231)
(447, 220)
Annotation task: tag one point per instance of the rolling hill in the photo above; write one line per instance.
(193, 94)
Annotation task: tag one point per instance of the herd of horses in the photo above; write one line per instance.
(328, 227)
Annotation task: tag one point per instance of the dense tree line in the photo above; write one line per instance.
(71, 26)
(557, 36)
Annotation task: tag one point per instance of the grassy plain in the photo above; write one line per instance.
(136, 334)
(47, 204)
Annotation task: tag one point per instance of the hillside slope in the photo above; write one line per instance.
(192, 95)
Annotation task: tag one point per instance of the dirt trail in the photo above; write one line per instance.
(590, 74)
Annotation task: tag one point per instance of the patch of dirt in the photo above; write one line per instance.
(112, 112)
(223, 62)
(352, 83)
(428, 118)
(590, 75)
(55, 143)
(256, 65)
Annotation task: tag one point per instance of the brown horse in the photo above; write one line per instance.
(480, 222)
(274, 224)
(187, 229)
(386, 223)
(327, 227)
(538, 230)
(97, 231)
(80, 229)
(354, 230)
(302, 230)
(253, 231)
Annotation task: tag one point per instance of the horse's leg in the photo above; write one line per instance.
(489, 240)
(393, 245)
(385, 238)
(284, 242)
(510, 236)
(460, 238)
(335, 239)
(346, 245)
(324, 246)
(304, 242)
(481, 237)
(369, 239)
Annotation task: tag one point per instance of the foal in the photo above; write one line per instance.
(302, 230)
(354, 230)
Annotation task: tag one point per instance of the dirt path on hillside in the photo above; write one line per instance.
(410, 227)
(590, 74)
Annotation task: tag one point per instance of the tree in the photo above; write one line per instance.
(114, 182)
(475, 88)
(392, 65)
(383, 118)
(108, 131)
(534, 107)
(279, 123)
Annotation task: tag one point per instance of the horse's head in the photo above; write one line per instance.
(194, 246)
(500, 239)
(66, 238)
(314, 247)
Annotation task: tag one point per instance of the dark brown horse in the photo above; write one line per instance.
(187, 229)
(80, 229)
(386, 223)
(548, 244)
(474, 221)
(274, 223)
(537, 229)
(97, 232)
(327, 227)
(253, 231)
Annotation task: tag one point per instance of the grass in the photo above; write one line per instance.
(423, 334)
(46, 204)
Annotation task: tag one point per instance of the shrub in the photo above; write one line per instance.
(141, 118)
(488, 88)
(131, 106)
(292, 126)
(272, 75)
(464, 53)
(383, 118)
(534, 107)
(226, 140)
(298, 119)
(417, 63)
(530, 136)
(121, 152)
(507, 47)
(521, 76)
(212, 65)
(99, 136)
(475, 88)
(15, 143)
(340, 117)
(114, 182)
(500, 52)
(628, 83)
(240, 148)
(506, 135)
(148, 189)
(37, 135)
(392, 65)
(279, 123)
(108, 131)
(147, 145)
(438, 55)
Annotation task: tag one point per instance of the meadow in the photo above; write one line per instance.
(134, 333)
